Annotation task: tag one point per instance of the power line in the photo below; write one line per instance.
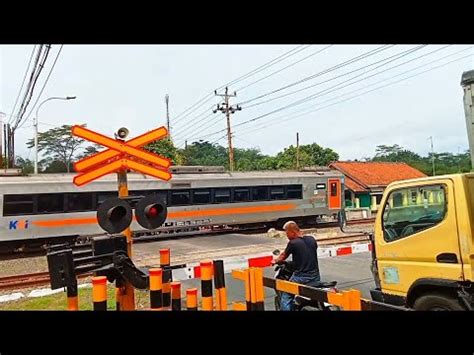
(387, 60)
(328, 70)
(327, 91)
(267, 65)
(22, 83)
(288, 66)
(264, 66)
(271, 74)
(44, 85)
(30, 81)
(364, 55)
(255, 71)
(40, 69)
(355, 96)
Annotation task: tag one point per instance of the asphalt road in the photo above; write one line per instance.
(350, 271)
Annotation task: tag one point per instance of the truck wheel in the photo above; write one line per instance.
(437, 302)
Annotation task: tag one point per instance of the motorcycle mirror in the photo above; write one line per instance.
(276, 252)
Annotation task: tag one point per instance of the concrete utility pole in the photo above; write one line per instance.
(227, 109)
(432, 155)
(297, 150)
(167, 100)
(467, 83)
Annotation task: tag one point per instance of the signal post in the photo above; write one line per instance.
(115, 214)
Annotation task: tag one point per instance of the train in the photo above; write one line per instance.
(38, 209)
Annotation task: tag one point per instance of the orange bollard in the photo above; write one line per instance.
(206, 285)
(191, 299)
(259, 291)
(72, 299)
(175, 296)
(219, 284)
(99, 293)
(156, 288)
(167, 276)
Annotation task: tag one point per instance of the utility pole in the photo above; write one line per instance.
(167, 100)
(467, 83)
(2, 116)
(432, 155)
(297, 150)
(227, 109)
(185, 145)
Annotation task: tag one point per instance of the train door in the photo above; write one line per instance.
(334, 193)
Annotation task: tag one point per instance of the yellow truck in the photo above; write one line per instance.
(422, 245)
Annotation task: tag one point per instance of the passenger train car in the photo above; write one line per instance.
(38, 208)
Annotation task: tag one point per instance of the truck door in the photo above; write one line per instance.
(417, 236)
(335, 193)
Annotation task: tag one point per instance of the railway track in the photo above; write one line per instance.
(42, 278)
(158, 237)
(27, 280)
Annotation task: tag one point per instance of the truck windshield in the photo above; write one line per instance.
(411, 210)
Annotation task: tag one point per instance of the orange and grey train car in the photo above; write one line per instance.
(39, 208)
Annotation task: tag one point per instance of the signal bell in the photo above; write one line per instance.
(114, 215)
(151, 212)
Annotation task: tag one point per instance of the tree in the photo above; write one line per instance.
(206, 153)
(319, 156)
(248, 159)
(287, 158)
(26, 165)
(445, 162)
(310, 155)
(167, 149)
(58, 144)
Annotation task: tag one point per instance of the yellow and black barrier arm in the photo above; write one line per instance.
(349, 300)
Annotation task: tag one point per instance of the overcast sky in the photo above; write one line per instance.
(126, 85)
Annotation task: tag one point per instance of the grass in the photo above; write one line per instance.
(58, 301)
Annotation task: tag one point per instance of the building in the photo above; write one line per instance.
(366, 181)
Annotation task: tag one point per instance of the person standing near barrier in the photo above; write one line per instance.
(303, 249)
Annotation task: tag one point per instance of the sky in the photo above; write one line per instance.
(125, 86)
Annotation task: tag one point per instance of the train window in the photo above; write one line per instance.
(81, 201)
(222, 195)
(295, 192)
(260, 193)
(141, 192)
(15, 205)
(241, 194)
(102, 196)
(201, 196)
(277, 193)
(333, 189)
(180, 197)
(50, 203)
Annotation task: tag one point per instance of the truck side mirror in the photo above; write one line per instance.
(342, 219)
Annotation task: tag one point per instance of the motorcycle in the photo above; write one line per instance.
(284, 271)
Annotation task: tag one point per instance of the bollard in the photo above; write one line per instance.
(206, 285)
(72, 299)
(167, 276)
(259, 291)
(219, 284)
(99, 293)
(156, 288)
(118, 292)
(175, 296)
(191, 299)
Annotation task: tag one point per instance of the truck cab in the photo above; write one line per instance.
(422, 247)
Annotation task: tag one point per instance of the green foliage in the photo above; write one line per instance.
(166, 148)
(60, 147)
(26, 165)
(445, 163)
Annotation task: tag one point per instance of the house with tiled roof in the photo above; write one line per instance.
(366, 181)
